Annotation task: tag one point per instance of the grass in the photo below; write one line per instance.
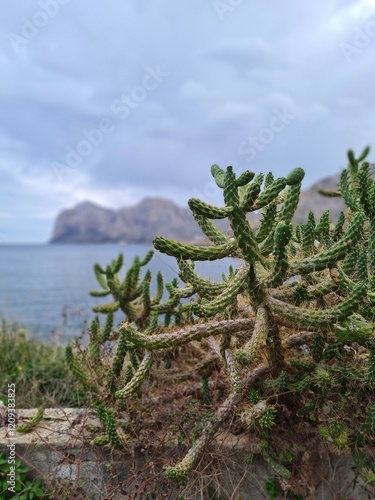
(38, 370)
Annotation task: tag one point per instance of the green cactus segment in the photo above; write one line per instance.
(330, 194)
(290, 202)
(283, 233)
(362, 268)
(233, 371)
(269, 179)
(107, 308)
(168, 306)
(354, 330)
(280, 469)
(372, 245)
(201, 208)
(372, 200)
(100, 276)
(295, 177)
(349, 264)
(364, 153)
(250, 193)
(322, 228)
(202, 286)
(159, 288)
(336, 252)
(308, 239)
(269, 193)
(118, 359)
(25, 428)
(230, 192)
(365, 184)
(146, 259)
(146, 299)
(117, 264)
(110, 428)
(107, 329)
(245, 178)
(154, 323)
(250, 350)
(218, 174)
(99, 293)
(210, 230)
(77, 371)
(137, 379)
(232, 289)
(339, 228)
(352, 161)
(322, 288)
(245, 237)
(190, 252)
(100, 441)
(94, 330)
(321, 318)
(347, 192)
(267, 222)
(188, 334)
(179, 473)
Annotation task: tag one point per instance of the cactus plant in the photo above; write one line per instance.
(296, 285)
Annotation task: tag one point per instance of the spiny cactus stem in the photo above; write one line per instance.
(341, 279)
(297, 339)
(186, 335)
(274, 342)
(323, 288)
(222, 414)
(232, 289)
(321, 318)
(269, 193)
(209, 211)
(233, 371)
(202, 285)
(210, 230)
(138, 377)
(251, 349)
(183, 251)
(335, 253)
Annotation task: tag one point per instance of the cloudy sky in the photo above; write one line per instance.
(113, 101)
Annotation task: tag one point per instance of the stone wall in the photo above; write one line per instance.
(59, 449)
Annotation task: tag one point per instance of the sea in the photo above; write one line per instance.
(44, 288)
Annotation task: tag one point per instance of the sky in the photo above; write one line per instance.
(114, 101)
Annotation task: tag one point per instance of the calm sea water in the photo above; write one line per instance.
(45, 288)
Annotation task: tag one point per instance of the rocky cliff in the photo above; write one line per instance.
(91, 223)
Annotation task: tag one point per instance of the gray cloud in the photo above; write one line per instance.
(226, 82)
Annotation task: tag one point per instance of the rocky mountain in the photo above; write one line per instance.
(91, 223)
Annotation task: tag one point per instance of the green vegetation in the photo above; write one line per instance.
(38, 370)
